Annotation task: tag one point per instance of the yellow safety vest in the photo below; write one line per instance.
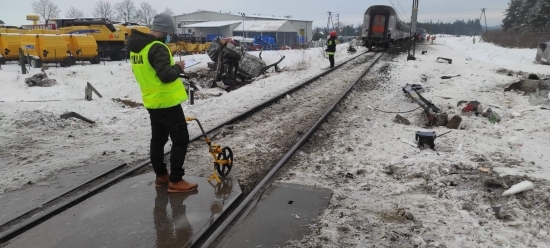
(155, 93)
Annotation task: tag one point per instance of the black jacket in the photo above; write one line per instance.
(332, 47)
(159, 56)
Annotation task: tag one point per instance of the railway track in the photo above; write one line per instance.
(257, 187)
(305, 125)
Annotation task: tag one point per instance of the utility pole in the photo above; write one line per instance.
(414, 17)
(338, 23)
(329, 21)
(482, 15)
(243, 14)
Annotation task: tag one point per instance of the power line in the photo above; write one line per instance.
(397, 11)
(405, 13)
(450, 11)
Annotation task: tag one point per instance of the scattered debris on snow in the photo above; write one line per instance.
(518, 188)
(40, 80)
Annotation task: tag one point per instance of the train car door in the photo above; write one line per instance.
(379, 25)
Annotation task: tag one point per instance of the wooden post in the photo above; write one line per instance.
(22, 61)
(29, 59)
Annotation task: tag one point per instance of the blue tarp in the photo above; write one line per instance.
(212, 37)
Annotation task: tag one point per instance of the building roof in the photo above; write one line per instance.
(212, 24)
(252, 16)
(266, 26)
(193, 20)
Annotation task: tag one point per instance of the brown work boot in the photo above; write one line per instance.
(162, 180)
(181, 186)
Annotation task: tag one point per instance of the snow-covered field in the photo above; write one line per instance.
(388, 193)
(35, 142)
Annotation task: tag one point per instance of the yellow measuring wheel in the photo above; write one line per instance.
(223, 157)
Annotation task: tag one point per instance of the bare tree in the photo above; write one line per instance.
(46, 9)
(168, 11)
(103, 9)
(146, 13)
(74, 13)
(126, 11)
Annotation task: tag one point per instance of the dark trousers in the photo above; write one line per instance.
(331, 59)
(169, 122)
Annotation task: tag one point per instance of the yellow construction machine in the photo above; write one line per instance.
(83, 47)
(110, 40)
(13, 30)
(9, 47)
(46, 48)
(127, 29)
(185, 47)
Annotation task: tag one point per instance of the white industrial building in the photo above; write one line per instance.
(287, 31)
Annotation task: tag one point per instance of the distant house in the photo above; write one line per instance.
(286, 30)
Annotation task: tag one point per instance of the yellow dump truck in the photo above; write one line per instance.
(46, 48)
(9, 47)
(83, 47)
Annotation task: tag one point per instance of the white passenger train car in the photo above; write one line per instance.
(382, 27)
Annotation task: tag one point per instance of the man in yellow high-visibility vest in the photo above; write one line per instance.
(163, 92)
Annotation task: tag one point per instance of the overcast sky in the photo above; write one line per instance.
(13, 12)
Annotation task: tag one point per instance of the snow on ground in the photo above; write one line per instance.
(36, 143)
(388, 193)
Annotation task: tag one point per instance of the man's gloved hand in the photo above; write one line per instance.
(181, 64)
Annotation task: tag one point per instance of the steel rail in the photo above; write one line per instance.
(236, 212)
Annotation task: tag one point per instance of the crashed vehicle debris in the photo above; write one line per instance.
(435, 116)
(230, 63)
(543, 53)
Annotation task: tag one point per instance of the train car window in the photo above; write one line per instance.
(378, 24)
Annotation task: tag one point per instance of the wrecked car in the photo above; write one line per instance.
(231, 63)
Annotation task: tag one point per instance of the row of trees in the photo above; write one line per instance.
(344, 30)
(124, 11)
(527, 16)
(459, 27)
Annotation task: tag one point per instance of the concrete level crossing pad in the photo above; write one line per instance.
(18, 202)
(135, 213)
(283, 213)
